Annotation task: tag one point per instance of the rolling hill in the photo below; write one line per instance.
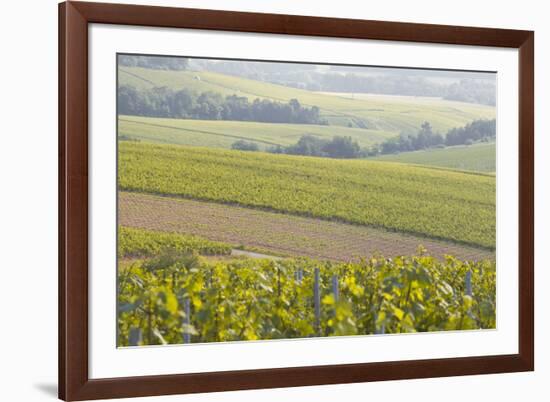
(478, 157)
(377, 113)
(221, 134)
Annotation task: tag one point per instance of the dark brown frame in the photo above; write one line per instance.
(74, 17)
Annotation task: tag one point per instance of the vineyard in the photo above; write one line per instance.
(183, 298)
(134, 242)
(440, 204)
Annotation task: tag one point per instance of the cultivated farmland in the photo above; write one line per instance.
(267, 232)
(133, 242)
(221, 134)
(428, 202)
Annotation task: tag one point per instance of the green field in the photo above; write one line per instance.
(221, 134)
(377, 113)
(449, 205)
(477, 157)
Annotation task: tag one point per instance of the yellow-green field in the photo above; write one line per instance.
(477, 157)
(448, 205)
(221, 134)
(377, 113)
(134, 242)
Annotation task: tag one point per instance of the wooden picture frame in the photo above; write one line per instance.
(74, 381)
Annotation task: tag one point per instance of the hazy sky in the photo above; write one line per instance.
(284, 67)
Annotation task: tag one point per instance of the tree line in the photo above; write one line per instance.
(154, 62)
(309, 145)
(464, 90)
(472, 91)
(478, 130)
(187, 104)
(346, 148)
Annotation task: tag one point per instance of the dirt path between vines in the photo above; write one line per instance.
(275, 232)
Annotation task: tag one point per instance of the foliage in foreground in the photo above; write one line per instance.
(176, 299)
(134, 242)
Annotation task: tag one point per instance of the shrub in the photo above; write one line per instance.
(242, 145)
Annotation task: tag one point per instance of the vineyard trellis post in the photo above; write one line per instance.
(134, 337)
(468, 283)
(150, 321)
(379, 330)
(299, 275)
(187, 320)
(335, 291)
(317, 300)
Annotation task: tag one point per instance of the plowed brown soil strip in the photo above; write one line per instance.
(275, 232)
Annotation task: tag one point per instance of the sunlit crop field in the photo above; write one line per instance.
(442, 204)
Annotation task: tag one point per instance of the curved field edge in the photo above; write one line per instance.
(277, 234)
(435, 203)
(223, 133)
(478, 157)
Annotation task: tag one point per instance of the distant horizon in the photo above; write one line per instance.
(349, 68)
(328, 77)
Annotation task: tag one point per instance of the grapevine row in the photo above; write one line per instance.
(181, 298)
(436, 203)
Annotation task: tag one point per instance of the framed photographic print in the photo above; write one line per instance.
(260, 200)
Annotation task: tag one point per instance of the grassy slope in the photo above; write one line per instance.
(221, 134)
(381, 113)
(478, 157)
(442, 204)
